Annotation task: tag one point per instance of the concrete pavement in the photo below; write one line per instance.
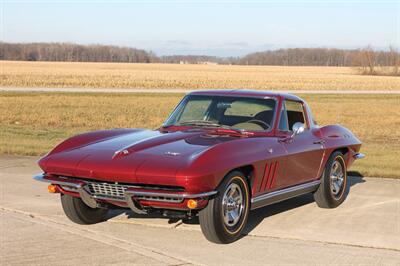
(365, 229)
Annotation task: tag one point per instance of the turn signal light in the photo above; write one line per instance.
(52, 188)
(192, 204)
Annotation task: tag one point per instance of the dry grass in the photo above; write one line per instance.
(32, 123)
(123, 75)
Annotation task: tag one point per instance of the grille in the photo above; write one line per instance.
(103, 190)
(107, 190)
(159, 198)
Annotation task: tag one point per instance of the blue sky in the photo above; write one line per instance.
(225, 28)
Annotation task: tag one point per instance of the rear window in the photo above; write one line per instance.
(248, 107)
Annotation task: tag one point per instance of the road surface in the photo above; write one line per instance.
(127, 90)
(364, 230)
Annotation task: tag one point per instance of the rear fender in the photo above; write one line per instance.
(340, 138)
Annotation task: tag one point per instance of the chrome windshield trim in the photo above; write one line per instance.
(359, 155)
(177, 109)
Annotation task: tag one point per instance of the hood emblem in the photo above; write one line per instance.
(120, 153)
(171, 153)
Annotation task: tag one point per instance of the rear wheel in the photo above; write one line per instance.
(225, 216)
(78, 212)
(333, 188)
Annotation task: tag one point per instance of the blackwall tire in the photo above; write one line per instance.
(218, 221)
(332, 192)
(80, 213)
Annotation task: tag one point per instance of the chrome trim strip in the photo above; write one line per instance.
(172, 195)
(40, 177)
(359, 156)
(285, 190)
(283, 194)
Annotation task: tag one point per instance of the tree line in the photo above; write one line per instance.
(69, 52)
(367, 59)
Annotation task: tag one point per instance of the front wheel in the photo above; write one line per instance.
(333, 188)
(78, 212)
(225, 216)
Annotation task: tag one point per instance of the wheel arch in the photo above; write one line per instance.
(344, 150)
(248, 171)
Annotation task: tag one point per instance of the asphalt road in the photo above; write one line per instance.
(166, 90)
(364, 230)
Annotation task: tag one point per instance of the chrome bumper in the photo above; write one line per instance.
(359, 156)
(79, 186)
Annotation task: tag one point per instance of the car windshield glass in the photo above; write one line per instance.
(243, 113)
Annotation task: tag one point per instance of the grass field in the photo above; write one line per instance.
(121, 75)
(32, 123)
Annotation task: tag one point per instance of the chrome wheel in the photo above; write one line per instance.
(232, 205)
(337, 176)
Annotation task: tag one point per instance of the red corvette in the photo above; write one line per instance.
(219, 155)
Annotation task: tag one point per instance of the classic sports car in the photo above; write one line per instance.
(219, 155)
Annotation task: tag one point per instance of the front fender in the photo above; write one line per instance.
(86, 139)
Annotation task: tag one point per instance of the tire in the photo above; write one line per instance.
(80, 213)
(328, 195)
(217, 227)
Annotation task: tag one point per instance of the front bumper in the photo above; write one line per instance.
(133, 197)
(358, 156)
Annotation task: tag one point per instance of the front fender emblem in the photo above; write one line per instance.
(171, 153)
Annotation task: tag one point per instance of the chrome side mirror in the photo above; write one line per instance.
(298, 128)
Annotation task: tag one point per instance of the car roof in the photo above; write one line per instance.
(249, 93)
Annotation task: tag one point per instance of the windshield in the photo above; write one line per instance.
(242, 113)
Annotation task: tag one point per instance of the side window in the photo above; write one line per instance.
(295, 113)
(283, 121)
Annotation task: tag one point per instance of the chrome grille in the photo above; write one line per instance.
(107, 190)
(159, 198)
(115, 191)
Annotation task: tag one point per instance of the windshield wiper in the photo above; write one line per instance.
(220, 129)
(201, 123)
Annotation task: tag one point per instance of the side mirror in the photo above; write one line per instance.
(298, 128)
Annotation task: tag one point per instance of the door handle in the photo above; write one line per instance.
(321, 141)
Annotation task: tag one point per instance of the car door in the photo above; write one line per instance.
(305, 151)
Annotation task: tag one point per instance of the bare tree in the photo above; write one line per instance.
(394, 60)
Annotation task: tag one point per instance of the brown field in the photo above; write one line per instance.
(125, 75)
(32, 123)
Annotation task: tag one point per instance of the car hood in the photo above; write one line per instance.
(133, 157)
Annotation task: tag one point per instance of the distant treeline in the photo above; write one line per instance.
(73, 53)
(368, 59)
(311, 57)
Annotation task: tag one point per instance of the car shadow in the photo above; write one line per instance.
(258, 215)
(255, 217)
